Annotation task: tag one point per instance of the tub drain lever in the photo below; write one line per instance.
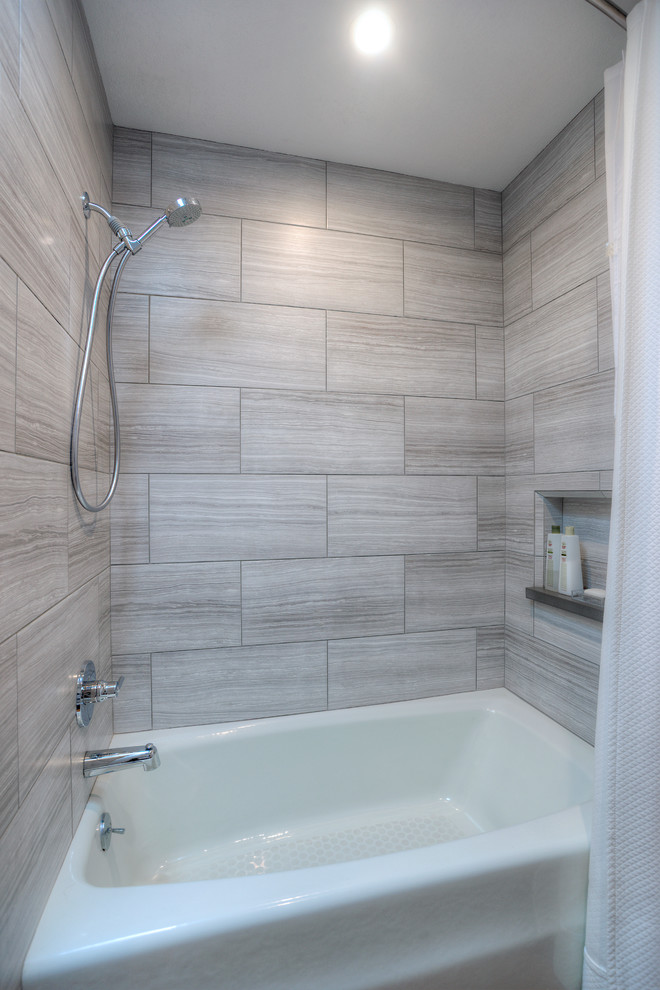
(106, 830)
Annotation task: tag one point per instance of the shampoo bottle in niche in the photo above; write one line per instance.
(570, 565)
(552, 551)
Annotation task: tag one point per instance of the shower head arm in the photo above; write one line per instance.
(116, 226)
(150, 231)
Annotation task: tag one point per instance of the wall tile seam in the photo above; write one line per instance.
(549, 388)
(281, 560)
(563, 654)
(71, 591)
(529, 232)
(508, 324)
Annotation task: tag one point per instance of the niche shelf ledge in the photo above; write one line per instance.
(586, 607)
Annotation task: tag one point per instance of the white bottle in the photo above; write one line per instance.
(570, 566)
(552, 552)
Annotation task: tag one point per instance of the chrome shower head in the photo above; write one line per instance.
(182, 212)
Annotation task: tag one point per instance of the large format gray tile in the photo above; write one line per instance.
(557, 174)
(519, 432)
(452, 591)
(204, 342)
(175, 606)
(52, 651)
(200, 262)
(200, 686)
(331, 433)
(375, 670)
(371, 515)
(326, 269)
(563, 686)
(487, 220)
(31, 853)
(452, 284)
(29, 189)
(33, 538)
(490, 363)
(491, 516)
(574, 425)
(10, 39)
(239, 182)
(572, 633)
(599, 129)
(8, 732)
(298, 600)
(8, 296)
(129, 515)
(54, 107)
(198, 517)
(89, 87)
(89, 532)
(569, 247)
(131, 710)
(367, 201)
(394, 355)
(554, 344)
(490, 657)
(517, 275)
(46, 375)
(130, 337)
(131, 167)
(178, 428)
(605, 329)
(454, 436)
(520, 574)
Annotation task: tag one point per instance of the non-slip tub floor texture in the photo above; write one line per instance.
(339, 842)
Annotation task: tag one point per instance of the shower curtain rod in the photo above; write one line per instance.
(610, 10)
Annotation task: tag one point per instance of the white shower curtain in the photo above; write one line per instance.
(623, 917)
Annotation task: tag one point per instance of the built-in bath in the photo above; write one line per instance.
(440, 843)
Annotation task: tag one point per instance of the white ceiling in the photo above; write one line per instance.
(470, 91)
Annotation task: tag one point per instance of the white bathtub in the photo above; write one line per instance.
(439, 844)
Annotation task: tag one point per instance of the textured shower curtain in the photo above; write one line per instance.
(623, 916)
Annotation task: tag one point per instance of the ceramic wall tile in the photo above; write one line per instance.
(488, 220)
(451, 591)
(376, 670)
(205, 342)
(175, 606)
(8, 296)
(130, 337)
(556, 175)
(571, 633)
(178, 429)
(10, 40)
(490, 363)
(199, 263)
(561, 685)
(569, 247)
(367, 201)
(52, 651)
(33, 538)
(387, 354)
(239, 182)
(288, 601)
(131, 710)
(8, 732)
(238, 683)
(490, 657)
(129, 515)
(556, 343)
(574, 425)
(326, 269)
(131, 167)
(517, 274)
(491, 518)
(519, 430)
(452, 284)
(306, 433)
(599, 128)
(371, 515)
(234, 517)
(605, 330)
(454, 436)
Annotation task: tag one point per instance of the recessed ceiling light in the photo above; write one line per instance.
(372, 32)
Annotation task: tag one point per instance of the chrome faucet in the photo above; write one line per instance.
(109, 760)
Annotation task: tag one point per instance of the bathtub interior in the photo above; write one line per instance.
(261, 797)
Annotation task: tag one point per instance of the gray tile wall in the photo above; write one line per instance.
(313, 471)
(55, 142)
(559, 406)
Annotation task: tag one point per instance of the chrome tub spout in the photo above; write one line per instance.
(109, 760)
